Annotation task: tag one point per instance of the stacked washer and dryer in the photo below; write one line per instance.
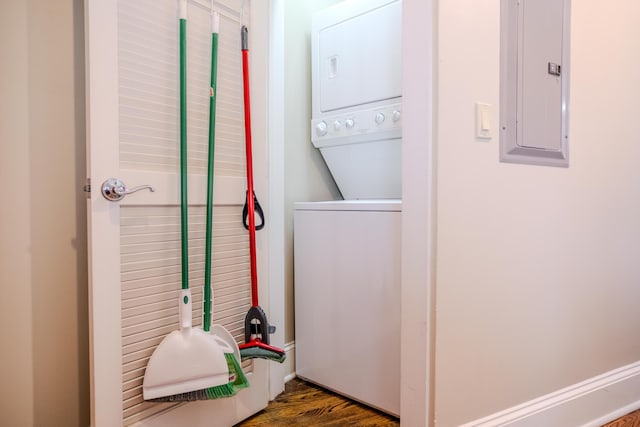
(347, 252)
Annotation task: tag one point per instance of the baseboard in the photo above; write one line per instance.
(290, 361)
(590, 403)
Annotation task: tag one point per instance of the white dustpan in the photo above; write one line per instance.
(230, 343)
(186, 360)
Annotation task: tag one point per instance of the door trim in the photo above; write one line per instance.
(102, 101)
(276, 165)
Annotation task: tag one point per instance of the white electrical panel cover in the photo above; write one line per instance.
(534, 82)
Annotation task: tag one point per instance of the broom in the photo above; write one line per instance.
(236, 376)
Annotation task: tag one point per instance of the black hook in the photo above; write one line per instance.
(257, 208)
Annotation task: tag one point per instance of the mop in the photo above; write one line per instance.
(256, 326)
(189, 364)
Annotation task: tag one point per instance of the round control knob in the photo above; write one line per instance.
(379, 118)
(337, 125)
(322, 129)
(349, 123)
(395, 115)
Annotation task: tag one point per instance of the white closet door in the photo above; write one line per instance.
(133, 135)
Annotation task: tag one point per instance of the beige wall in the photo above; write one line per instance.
(42, 220)
(306, 176)
(16, 356)
(537, 267)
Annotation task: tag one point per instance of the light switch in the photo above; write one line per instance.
(483, 121)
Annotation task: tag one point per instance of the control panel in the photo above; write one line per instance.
(360, 125)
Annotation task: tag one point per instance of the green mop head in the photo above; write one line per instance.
(256, 349)
(256, 337)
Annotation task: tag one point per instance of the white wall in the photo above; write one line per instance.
(44, 357)
(306, 176)
(537, 267)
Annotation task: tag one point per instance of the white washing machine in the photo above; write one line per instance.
(347, 298)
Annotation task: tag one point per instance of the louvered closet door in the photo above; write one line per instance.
(133, 135)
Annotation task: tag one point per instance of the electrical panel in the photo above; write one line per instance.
(534, 92)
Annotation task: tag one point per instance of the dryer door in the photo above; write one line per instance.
(357, 58)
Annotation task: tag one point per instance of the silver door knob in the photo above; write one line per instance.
(114, 190)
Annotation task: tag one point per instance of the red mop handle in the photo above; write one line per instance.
(249, 155)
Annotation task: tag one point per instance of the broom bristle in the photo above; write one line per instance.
(237, 377)
(237, 381)
(217, 392)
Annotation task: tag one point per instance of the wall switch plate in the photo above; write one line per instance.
(484, 128)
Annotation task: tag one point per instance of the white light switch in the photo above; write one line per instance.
(483, 121)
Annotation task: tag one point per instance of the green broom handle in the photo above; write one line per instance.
(215, 23)
(184, 200)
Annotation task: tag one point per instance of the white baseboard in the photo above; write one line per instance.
(290, 361)
(590, 403)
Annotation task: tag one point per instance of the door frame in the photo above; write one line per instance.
(276, 166)
(102, 100)
(419, 211)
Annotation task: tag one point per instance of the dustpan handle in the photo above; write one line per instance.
(208, 295)
(185, 309)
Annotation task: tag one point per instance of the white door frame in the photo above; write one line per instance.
(267, 93)
(419, 203)
(419, 39)
(276, 165)
(102, 101)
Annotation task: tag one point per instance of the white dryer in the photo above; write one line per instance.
(356, 101)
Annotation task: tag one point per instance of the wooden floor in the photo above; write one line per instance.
(304, 404)
(629, 420)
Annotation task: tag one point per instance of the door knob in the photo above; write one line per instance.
(114, 190)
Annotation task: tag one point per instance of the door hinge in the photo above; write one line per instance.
(87, 188)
